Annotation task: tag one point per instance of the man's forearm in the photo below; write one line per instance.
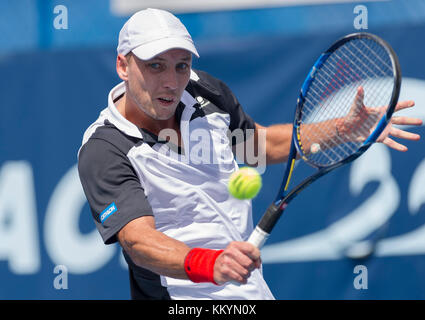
(277, 142)
(152, 249)
(278, 138)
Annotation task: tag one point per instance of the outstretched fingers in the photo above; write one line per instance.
(404, 104)
(406, 121)
(398, 133)
(394, 145)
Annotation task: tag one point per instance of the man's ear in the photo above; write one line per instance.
(122, 67)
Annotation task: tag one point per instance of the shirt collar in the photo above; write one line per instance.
(116, 118)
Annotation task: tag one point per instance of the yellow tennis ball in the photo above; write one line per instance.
(245, 183)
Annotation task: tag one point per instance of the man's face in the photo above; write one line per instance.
(157, 85)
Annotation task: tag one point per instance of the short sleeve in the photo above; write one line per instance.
(112, 187)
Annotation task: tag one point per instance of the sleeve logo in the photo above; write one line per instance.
(108, 212)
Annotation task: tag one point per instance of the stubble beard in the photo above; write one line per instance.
(150, 111)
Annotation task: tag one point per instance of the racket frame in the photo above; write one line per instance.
(269, 219)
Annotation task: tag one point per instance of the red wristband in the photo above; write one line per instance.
(199, 264)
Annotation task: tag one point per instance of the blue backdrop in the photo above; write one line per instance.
(55, 82)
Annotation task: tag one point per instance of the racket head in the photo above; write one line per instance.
(353, 86)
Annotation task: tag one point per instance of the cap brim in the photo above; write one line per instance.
(150, 50)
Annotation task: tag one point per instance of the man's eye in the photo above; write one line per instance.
(155, 66)
(182, 66)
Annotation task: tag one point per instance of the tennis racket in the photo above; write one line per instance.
(344, 105)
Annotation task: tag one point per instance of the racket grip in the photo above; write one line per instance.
(258, 237)
(262, 231)
(270, 218)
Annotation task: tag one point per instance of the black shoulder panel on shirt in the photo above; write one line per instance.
(220, 95)
(110, 181)
(118, 139)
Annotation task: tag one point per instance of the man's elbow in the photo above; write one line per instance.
(131, 241)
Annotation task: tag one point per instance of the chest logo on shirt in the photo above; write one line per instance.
(108, 212)
(202, 102)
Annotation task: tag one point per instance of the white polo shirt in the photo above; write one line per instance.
(126, 173)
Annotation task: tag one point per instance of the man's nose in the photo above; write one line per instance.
(169, 80)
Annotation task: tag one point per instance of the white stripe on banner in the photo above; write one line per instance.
(128, 7)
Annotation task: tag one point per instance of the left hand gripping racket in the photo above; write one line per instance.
(344, 105)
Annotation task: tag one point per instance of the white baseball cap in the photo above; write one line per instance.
(150, 32)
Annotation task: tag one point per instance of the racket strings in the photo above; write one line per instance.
(345, 149)
(332, 74)
(329, 102)
(383, 73)
(372, 119)
(313, 135)
(375, 95)
(332, 95)
(353, 88)
(376, 55)
(369, 125)
(320, 130)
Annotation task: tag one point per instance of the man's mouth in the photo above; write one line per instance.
(166, 101)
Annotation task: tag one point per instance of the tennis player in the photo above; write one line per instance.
(182, 234)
